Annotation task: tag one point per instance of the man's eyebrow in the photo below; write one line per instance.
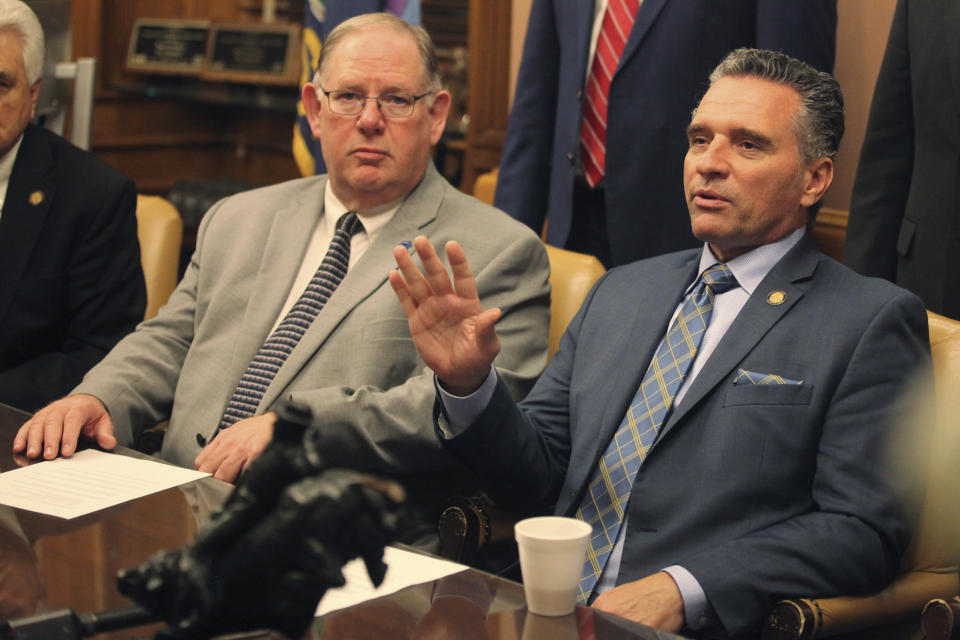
(695, 129)
(750, 134)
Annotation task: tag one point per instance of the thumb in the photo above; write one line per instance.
(486, 331)
(103, 433)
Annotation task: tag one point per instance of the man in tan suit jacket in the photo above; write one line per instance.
(356, 366)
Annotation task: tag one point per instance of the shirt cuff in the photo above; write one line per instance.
(697, 611)
(462, 411)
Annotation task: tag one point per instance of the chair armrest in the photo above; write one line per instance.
(464, 528)
(941, 619)
(475, 531)
(811, 618)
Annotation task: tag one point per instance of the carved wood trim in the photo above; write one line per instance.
(488, 39)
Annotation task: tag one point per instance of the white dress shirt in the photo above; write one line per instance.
(333, 210)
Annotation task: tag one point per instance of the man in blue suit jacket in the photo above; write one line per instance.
(769, 476)
(637, 210)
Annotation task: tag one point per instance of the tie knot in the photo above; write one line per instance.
(719, 278)
(350, 223)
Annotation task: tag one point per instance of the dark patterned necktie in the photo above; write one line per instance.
(274, 352)
(605, 503)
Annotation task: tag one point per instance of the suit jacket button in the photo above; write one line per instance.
(202, 441)
(579, 94)
(570, 157)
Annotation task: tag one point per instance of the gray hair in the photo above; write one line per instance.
(18, 17)
(428, 53)
(819, 119)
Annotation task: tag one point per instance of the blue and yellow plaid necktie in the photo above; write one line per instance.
(605, 503)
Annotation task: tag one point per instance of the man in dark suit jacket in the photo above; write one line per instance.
(768, 477)
(637, 211)
(904, 214)
(71, 284)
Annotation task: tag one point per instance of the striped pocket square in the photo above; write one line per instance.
(753, 377)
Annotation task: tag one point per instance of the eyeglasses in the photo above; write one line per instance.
(392, 105)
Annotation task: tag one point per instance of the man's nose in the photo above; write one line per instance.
(714, 159)
(370, 116)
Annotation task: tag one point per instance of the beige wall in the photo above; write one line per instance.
(862, 32)
(519, 12)
(861, 37)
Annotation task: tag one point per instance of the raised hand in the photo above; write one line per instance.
(454, 335)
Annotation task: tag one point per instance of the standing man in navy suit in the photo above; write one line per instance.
(904, 215)
(636, 209)
(758, 402)
(71, 283)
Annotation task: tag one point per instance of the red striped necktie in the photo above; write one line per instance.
(614, 31)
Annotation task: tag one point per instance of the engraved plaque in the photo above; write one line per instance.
(168, 46)
(254, 53)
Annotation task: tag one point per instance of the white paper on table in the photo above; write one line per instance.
(88, 481)
(404, 569)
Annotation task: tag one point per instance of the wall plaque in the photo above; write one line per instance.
(168, 46)
(260, 53)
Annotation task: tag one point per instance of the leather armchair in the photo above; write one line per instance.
(486, 186)
(930, 564)
(160, 232)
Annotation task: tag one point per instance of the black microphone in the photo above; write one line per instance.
(64, 624)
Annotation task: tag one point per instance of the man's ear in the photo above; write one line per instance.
(311, 106)
(34, 95)
(438, 115)
(817, 177)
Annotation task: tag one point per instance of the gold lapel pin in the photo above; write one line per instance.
(777, 297)
(36, 197)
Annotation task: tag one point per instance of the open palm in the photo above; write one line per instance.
(454, 335)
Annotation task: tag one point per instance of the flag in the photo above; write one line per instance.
(319, 18)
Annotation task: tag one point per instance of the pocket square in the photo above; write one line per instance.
(753, 377)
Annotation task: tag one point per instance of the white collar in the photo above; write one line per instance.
(373, 220)
(754, 265)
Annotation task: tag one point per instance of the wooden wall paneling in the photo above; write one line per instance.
(830, 230)
(157, 142)
(85, 28)
(488, 77)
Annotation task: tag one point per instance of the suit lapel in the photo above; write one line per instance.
(283, 253)
(30, 192)
(584, 25)
(646, 16)
(364, 278)
(791, 276)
